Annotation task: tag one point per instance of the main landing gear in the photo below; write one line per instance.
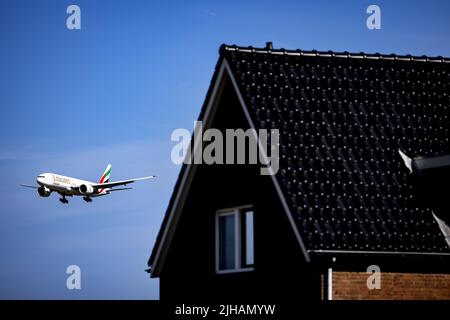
(87, 199)
(63, 199)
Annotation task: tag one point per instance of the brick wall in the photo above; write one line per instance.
(353, 285)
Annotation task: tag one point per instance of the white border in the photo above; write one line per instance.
(186, 180)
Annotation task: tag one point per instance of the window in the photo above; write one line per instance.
(234, 240)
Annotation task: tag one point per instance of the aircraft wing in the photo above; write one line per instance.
(118, 183)
(119, 189)
(28, 186)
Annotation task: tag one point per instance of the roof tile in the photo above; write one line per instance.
(342, 119)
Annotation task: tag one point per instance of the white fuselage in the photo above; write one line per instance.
(67, 185)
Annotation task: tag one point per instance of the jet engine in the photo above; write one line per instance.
(44, 192)
(86, 189)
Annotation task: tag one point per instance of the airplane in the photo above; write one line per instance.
(68, 186)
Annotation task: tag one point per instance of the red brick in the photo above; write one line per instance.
(396, 286)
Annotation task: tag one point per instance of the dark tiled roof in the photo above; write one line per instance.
(342, 119)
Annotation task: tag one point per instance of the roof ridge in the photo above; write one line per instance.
(314, 53)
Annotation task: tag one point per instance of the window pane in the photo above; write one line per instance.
(227, 240)
(249, 237)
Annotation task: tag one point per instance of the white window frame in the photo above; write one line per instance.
(236, 212)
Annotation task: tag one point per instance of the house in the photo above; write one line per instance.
(358, 134)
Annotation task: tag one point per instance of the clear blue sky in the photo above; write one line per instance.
(73, 101)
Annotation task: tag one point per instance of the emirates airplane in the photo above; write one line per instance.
(68, 187)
